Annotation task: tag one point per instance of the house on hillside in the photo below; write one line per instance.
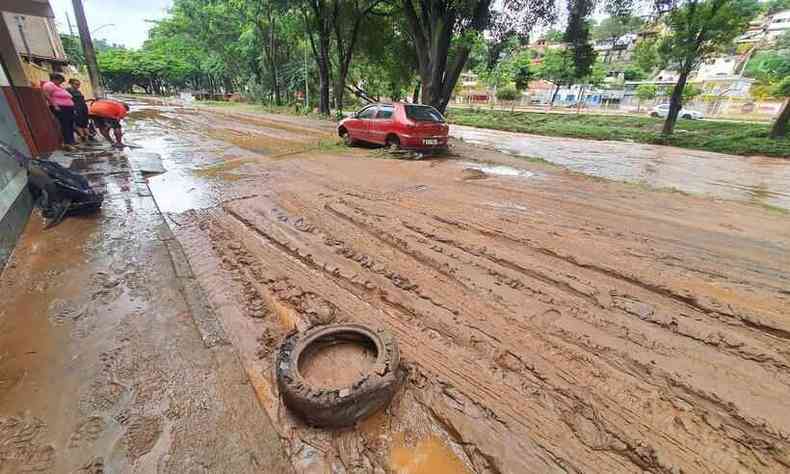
(721, 77)
(766, 28)
(778, 25)
(616, 50)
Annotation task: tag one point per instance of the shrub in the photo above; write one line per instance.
(507, 93)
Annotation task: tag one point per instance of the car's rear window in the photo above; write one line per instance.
(423, 113)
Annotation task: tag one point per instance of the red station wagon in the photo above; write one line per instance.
(398, 125)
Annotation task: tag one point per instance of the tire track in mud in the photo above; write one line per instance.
(739, 264)
(233, 242)
(756, 328)
(659, 290)
(627, 305)
(622, 304)
(411, 331)
(292, 250)
(568, 216)
(276, 267)
(378, 232)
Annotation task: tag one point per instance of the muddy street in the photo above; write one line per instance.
(547, 321)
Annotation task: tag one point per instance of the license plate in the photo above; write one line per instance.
(431, 141)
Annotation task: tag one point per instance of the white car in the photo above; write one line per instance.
(663, 110)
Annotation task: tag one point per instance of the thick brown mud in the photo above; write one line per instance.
(336, 366)
(548, 322)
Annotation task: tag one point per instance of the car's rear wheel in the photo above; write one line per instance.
(393, 142)
(687, 116)
(654, 114)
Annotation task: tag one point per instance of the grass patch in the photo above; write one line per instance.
(722, 137)
(253, 107)
(773, 209)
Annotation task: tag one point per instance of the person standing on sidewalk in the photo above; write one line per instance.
(80, 109)
(62, 106)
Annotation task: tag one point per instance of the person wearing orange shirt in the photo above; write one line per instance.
(107, 114)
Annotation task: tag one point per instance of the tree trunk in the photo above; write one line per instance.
(779, 130)
(317, 25)
(415, 97)
(676, 102)
(273, 58)
(323, 75)
(345, 45)
(340, 86)
(432, 30)
(554, 95)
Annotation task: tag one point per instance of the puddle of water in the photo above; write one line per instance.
(758, 179)
(178, 189)
(429, 456)
(337, 365)
(498, 170)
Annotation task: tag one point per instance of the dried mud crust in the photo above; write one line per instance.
(337, 408)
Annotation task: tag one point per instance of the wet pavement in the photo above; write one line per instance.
(763, 180)
(111, 361)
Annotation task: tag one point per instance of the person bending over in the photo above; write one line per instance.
(107, 114)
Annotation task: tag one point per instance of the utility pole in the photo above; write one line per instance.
(306, 78)
(87, 47)
(68, 21)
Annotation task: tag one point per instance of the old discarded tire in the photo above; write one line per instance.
(337, 407)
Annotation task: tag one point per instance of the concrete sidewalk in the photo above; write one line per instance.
(111, 360)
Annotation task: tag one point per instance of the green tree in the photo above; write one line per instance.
(634, 73)
(775, 6)
(554, 36)
(779, 129)
(697, 30)
(507, 94)
(690, 92)
(73, 49)
(645, 92)
(646, 55)
(347, 19)
(386, 63)
(557, 68)
(771, 65)
(523, 73)
(577, 35)
(443, 32)
(613, 27)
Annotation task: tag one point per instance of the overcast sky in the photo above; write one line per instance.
(128, 17)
